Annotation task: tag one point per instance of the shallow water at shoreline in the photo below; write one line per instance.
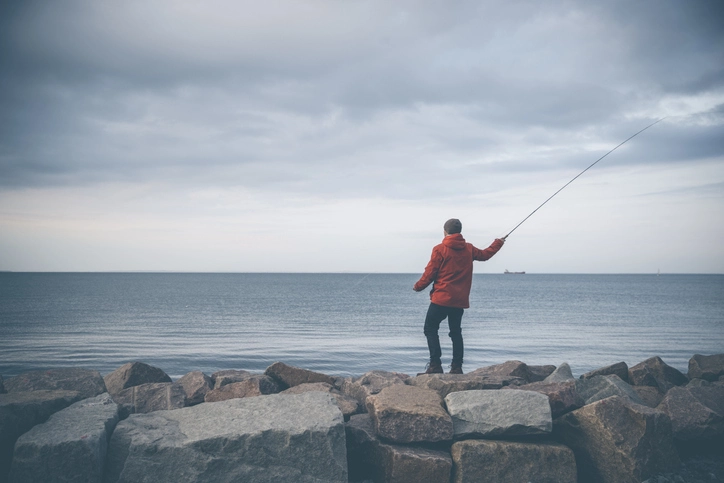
(348, 324)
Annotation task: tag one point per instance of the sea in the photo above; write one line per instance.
(346, 324)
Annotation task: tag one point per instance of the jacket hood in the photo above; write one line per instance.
(456, 241)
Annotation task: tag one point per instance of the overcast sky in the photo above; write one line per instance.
(331, 136)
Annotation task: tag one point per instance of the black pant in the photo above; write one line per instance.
(435, 315)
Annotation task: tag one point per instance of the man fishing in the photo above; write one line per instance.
(450, 271)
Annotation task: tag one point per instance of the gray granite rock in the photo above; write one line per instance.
(409, 414)
(70, 446)
(561, 374)
(297, 437)
(195, 385)
(697, 413)
(133, 374)
(86, 382)
(228, 376)
(656, 373)
(478, 461)
(368, 457)
(20, 411)
(251, 386)
(444, 384)
(499, 414)
(150, 397)
(563, 397)
(289, 376)
(620, 369)
(515, 369)
(539, 373)
(710, 368)
(347, 405)
(650, 396)
(600, 387)
(616, 441)
(371, 383)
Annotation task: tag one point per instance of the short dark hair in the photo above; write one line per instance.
(453, 226)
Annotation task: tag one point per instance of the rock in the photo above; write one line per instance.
(538, 373)
(84, 381)
(70, 446)
(710, 368)
(650, 396)
(371, 383)
(561, 374)
(620, 369)
(290, 376)
(347, 405)
(563, 397)
(697, 413)
(409, 414)
(509, 368)
(195, 385)
(444, 384)
(222, 378)
(133, 374)
(616, 441)
(656, 373)
(368, 457)
(600, 387)
(499, 414)
(20, 411)
(254, 385)
(512, 462)
(293, 437)
(150, 397)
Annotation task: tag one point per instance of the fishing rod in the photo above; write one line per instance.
(579, 174)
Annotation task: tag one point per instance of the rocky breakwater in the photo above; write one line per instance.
(505, 423)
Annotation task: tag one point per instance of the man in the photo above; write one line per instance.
(450, 270)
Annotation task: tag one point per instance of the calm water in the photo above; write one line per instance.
(348, 324)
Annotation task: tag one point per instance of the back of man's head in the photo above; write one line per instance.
(453, 226)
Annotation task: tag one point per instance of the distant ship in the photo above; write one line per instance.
(513, 273)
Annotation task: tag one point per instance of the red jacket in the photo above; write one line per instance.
(450, 270)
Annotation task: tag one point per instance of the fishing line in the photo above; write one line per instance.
(579, 174)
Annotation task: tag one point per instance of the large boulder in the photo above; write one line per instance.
(371, 383)
(290, 376)
(561, 374)
(20, 411)
(616, 441)
(70, 446)
(298, 437)
(499, 414)
(195, 385)
(619, 369)
(656, 373)
(409, 414)
(710, 368)
(539, 373)
(697, 413)
(563, 397)
(251, 386)
(228, 376)
(444, 384)
(370, 458)
(479, 461)
(347, 405)
(516, 369)
(650, 396)
(84, 381)
(133, 374)
(146, 398)
(597, 388)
